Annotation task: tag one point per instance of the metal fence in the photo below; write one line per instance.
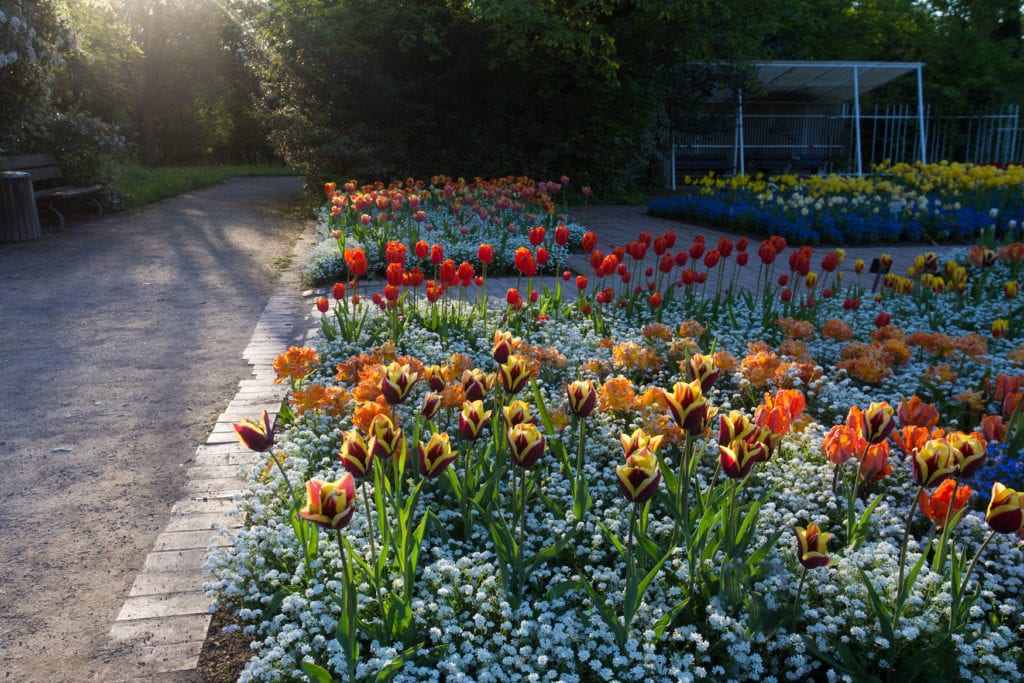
(810, 137)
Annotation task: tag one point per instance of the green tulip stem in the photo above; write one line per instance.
(958, 591)
(579, 458)
(629, 542)
(940, 553)
(300, 527)
(800, 588)
(350, 609)
(903, 559)
(373, 543)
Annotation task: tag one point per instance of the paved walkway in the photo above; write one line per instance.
(121, 341)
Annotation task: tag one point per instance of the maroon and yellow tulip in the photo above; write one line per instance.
(256, 436)
(355, 455)
(1005, 512)
(435, 455)
(434, 375)
(504, 346)
(639, 477)
(703, 368)
(385, 439)
(431, 404)
(969, 452)
(740, 456)
(933, 463)
(514, 375)
(476, 384)
(688, 406)
(330, 504)
(517, 412)
(398, 380)
(582, 397)
(472, 420)
(878, 421)
(734, 426)
(526, 443)
(812, 546)
(638, 440)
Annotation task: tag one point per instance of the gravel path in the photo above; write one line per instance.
(121, 342)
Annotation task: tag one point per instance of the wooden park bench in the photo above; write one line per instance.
(46, 179)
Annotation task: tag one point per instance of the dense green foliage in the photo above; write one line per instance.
(387, 89)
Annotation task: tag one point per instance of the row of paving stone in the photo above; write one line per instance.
(167, 613)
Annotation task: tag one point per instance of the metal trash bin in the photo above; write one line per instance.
(19, 218)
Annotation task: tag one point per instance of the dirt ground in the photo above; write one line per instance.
(121, 342)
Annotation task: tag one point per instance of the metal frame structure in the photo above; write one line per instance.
(822, 82)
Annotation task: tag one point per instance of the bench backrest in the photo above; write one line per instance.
(38, 166)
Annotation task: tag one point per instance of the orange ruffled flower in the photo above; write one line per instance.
(365, 412)
(616, 395)
(836, 329)
(914, 411)
(657, 331)
(295, 363)
(631, 356)
(936, 505)
(759, 367)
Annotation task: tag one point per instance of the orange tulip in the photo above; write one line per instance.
(936, 506)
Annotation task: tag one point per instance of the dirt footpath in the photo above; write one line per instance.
(121, 342)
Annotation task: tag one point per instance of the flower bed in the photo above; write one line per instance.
(932, 202)
(656, 478)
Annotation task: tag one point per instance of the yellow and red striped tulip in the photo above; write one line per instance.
(740, 456)
(476, 384)
(878, 421)
(330, 504)
(514, 374)
(435, 455)
(355, 455)
(703, 368)
(526, 444)
(812, 546)
(969, 452)
(1005, 512)
(385, 439)
(504, 346)
(688, 406)
(640, 439)
(517, 412)
(256, 436)
(1000, 328)
(639, 477)
(734, 426)
(398, 380)
(582, 397)
(933, 463)
(472, 419)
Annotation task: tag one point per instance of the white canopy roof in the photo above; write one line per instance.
(828, 81)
